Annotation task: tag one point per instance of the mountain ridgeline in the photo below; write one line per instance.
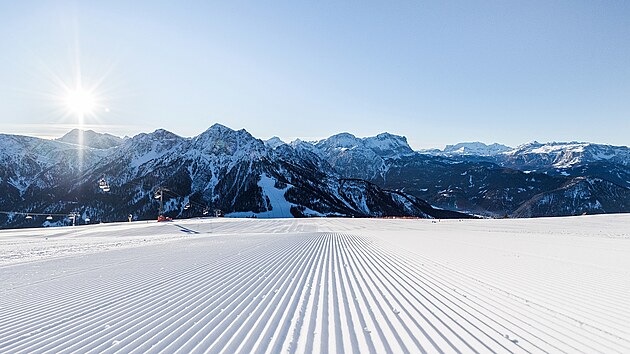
(220, 169)
(230, 170)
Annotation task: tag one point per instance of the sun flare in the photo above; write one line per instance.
(80, 102)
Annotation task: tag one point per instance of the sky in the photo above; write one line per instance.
(437, 72)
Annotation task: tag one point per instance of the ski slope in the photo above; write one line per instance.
(319, 285)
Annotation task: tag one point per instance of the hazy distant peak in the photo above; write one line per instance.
(91, 138)
(165, 134)
(386, 135)
(386, 144)
(341, 140)
(476, 148)
(220, 131)
(218, 127)
(303, 143)
(536, 147)
(274, 142)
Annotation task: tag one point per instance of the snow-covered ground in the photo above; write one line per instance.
(319, 285)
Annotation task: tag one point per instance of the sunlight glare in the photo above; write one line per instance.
(80, 102)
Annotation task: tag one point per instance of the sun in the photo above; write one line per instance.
(80, 101)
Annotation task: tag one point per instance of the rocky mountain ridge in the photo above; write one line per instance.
(219, 169)
(342, 175)
(492, 180)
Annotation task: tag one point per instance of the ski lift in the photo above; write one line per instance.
(157, 195)
(103, 185)
(205, 211)
(28, 217)
(49, 217)
(187, 206)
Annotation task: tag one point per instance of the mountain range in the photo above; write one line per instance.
(240, 175)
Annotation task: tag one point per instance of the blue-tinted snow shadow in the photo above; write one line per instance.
(186, 230)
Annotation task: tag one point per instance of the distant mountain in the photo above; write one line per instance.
(27, 163)
(472, 148)
(580, 195)
(91, 138)
(363, 158)
(535, 155)
(384, 144)
(218, 169)
(493, 180)
(274, 142)
(342, 175)
(572, 159)
(388, 145)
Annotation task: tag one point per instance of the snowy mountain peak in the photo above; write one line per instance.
(536, 147)
(339, 141)
(91, 138)
(567, 154)
(475, 148)
(219, 127)
(301, 145)
(341, 175)
(386, 144)
(297, 142)
(219, 139)
(144, 148)
(161, 134)
(274, 142)
(218, 131)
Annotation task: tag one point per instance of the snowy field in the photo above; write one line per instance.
(319, 285)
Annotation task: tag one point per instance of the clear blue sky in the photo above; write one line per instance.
(437, 72)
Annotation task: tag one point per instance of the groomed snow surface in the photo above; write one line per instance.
(319, 285)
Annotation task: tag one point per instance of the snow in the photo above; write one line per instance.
(319, 285)
(469, 148)
(140, 160)
(280, 207)
(20, 183)
(386, 144)
(346, 140)
(274, 142)
(569, 154)
(91, 138)
(545, 149)
(36, 244)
